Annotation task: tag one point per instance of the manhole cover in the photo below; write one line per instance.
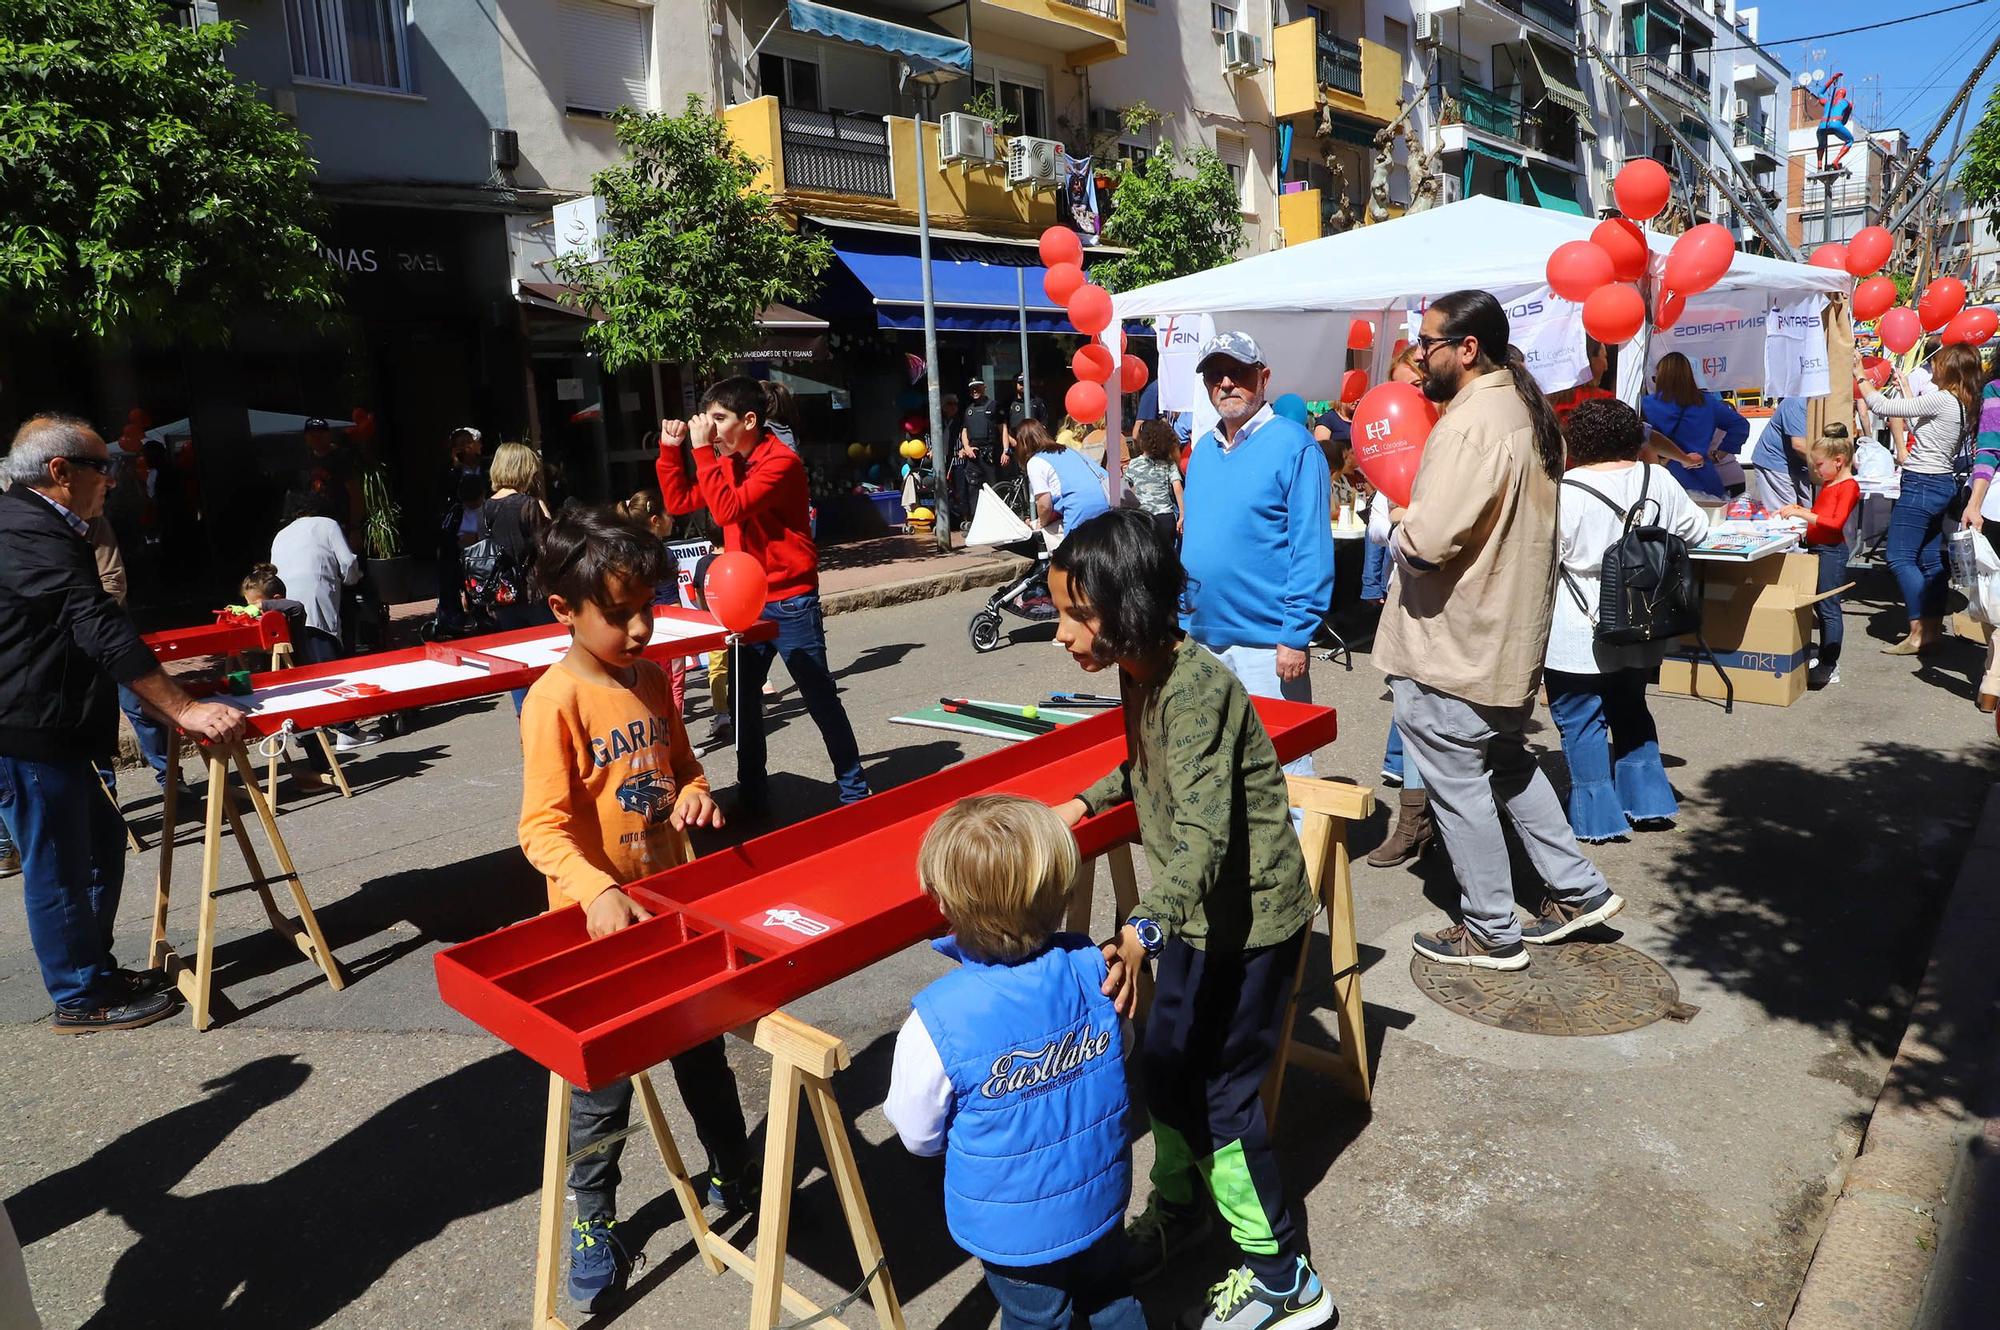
(1569, 988)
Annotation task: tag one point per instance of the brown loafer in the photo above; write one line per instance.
(1988, 703)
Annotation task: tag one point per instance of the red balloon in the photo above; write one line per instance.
(1132, 374)
(1699, 258)
(1626, 244)
(1614, 313)
(1091, 363)
(1940, 300)
(1578, 268)
(1061, 245)
(1981, 324)
(1868, 249)
(1874, 298)
(1900, 329)
(1086, 401)
(1642, 189)
(1360, 335)
(1090, 310)
(735, 590)
(1877, 369)
(1955, 331)
(1832, 255)
(1061, 282)
(1391, 422)
(1353, 384)
(913, 427)
(1668, 310)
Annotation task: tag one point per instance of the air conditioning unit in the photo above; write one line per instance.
(1742, 109)
(1428, 28)
(966, 138)
(1242, 52)
(1035, 163)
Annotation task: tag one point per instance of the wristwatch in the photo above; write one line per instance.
(1151, 936)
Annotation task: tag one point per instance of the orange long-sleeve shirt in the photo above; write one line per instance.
(601, 767)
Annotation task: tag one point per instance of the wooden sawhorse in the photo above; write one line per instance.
(277, 750)
(803, 1059)
(1328, 807)
(195, 984)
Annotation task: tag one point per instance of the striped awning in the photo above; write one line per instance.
(1558, 71)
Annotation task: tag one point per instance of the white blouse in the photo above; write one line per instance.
(1585, 529)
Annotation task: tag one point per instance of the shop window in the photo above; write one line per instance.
(355, 43)
(606, 65)
(795, 83)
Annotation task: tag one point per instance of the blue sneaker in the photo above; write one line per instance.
(597, 1260)
(736, 1195)
(1242, 1302)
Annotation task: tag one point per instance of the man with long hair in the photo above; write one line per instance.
(1463, 636)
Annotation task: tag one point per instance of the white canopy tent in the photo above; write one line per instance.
(1389, 271)
(262, 424)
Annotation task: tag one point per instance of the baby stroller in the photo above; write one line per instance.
(1027, 597)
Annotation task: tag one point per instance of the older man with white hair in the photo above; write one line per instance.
(64, 643)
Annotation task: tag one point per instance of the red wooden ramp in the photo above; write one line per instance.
(742, 932)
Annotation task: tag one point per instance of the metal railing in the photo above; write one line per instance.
(1489, 112)
(1557, 16)
(1749, 135)
(837, 151)
(1658, 74)
(1102, 8)
(1339, 63)
(1547, 128)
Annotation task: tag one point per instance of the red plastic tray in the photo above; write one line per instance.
(738, 934)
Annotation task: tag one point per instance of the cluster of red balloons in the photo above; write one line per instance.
(1598, 273)
(1941, 305)
(1089, 308)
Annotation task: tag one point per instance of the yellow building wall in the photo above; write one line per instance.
(1098, 36)
(1296, 89)
(754, 128)
(1299, 216)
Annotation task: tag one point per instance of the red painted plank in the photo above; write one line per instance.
(229, 634)
(742, 932)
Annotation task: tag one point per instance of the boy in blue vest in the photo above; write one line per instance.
(1013, 1067)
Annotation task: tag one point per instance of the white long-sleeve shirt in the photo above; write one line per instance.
(314, 562)
(919, 1101)
(1585, 529)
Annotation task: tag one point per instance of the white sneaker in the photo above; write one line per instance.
(346, 741)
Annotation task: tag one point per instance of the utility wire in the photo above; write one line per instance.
(1848, 32)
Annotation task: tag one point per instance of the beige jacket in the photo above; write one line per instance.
(110, 563)
(1476, 555)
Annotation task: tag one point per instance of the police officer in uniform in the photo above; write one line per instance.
(978, 457)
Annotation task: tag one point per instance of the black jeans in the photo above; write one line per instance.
(707, 1087)
(801, 644)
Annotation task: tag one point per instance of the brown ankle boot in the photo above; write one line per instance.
(1413, 831)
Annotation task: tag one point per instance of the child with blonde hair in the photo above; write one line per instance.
(1832, 456)
(1012, 1067)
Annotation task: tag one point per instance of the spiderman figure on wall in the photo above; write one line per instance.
(1839, 110)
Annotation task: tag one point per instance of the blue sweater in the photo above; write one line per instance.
(1258, 542)
(1693, 428)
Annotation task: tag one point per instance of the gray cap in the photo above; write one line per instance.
(1237, 346)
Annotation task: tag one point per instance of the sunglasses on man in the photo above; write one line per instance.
(101, 465)
(1237, 374)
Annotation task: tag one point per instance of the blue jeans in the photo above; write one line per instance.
(1397, 764)
(531, 614)
(801, 644)
(1374, 571)
(1916, 542)
(1613, 751)
(72, 845)
(1832, 573)
(1091, 1284)
(1256, 668)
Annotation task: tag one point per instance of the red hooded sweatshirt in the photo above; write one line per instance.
(761, 500)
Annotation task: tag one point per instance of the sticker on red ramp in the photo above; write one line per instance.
(788, 921)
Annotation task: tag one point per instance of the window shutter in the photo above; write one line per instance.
(1235, 155)
(605, 56)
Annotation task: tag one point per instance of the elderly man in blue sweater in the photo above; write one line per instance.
(1258, 541)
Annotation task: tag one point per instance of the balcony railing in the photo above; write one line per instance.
(839, 152)
(1546, 129)
(1657, 74)
(1339, 64)
(1749, 135)
(1489, 112)
(1103, 8)
(1555, 15)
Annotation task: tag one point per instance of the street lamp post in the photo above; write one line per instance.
(924, 77)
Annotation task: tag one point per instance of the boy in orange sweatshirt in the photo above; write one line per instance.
(608, 787)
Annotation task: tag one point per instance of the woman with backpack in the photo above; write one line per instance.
(1597, 691)
(515, 518)
(1938, 457)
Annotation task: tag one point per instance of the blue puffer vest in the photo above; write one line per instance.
(1037, 1162)
(1082, 494)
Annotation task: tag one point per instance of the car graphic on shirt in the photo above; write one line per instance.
(649, 794)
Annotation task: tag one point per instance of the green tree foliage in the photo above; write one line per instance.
(143, 188)
(693, 249)
(1178, 213)
(1979, 175)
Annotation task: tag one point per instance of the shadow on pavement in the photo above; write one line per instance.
(296, 1249)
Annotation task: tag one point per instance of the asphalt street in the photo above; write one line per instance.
(368, 1158)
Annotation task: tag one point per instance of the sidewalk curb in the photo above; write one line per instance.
(995, 571)
(1881, 1239)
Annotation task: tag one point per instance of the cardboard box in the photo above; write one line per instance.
(1970, 628)
(1758, 620)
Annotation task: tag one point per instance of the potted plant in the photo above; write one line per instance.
(382, 540)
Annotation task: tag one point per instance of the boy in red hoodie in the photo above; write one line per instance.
(755, 488)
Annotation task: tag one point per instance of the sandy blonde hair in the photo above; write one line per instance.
(515, 467)
(1833, 442)
(1000, 868)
